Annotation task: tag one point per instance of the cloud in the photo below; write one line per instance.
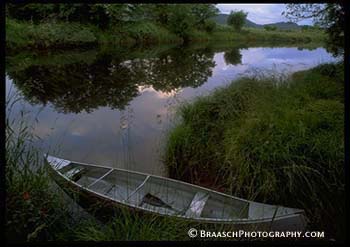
(260, 13)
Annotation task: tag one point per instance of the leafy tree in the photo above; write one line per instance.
(181, 21)
(237, 19)
(203, 12)
(31, 12)
(118, 12)
(329, 16)
(209, 25)
(161, 13)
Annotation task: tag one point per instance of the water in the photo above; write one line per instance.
(114, 106)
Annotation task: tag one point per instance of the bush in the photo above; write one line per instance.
(20, 34)
(209, 26)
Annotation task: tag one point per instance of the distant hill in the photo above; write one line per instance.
(249, 23)
(222, 19)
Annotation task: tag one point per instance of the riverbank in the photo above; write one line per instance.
(269, 141)
(27, 35)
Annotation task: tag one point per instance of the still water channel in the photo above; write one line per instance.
(114, 106)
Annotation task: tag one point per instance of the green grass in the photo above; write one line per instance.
(32, 210)
(224, 32)
(25, 35)
(270, 141)
(129, 227)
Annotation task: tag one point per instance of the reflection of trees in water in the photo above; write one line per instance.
(78, 86)
(110, 80)
(177, 69)
(233, 56)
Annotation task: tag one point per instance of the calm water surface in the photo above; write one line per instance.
(114, 107)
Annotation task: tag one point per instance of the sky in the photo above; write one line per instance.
(260, 13)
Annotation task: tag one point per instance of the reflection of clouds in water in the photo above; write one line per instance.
(159, 93)
(294, 58)
(252, 55)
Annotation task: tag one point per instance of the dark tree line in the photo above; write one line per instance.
(178, 18)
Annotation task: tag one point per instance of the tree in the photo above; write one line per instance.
(181, 21)
(237, 19)
(161, 13)
(330, 17)
(203, 12)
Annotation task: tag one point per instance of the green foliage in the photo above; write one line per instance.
(270, 28)
(122, 23)
(67, 25)
(209, 26)
(203, 12)
(270, 141)
(181, 22)
(19, 34)
(236, 19)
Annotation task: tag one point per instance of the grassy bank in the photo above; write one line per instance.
(22, 35)
(32, 211)
(270, 141)
(226, 33)
(26, 35)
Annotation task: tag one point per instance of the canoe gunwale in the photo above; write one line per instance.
(124, 203)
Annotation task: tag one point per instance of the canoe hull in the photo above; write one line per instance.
(104, 208)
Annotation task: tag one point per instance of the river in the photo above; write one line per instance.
(113, 106)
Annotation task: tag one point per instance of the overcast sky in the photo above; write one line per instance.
(260, 13)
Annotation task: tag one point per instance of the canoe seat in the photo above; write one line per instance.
(197, 205)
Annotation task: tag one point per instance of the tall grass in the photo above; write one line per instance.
(270, 141)
(128, 226)
(33, 211)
